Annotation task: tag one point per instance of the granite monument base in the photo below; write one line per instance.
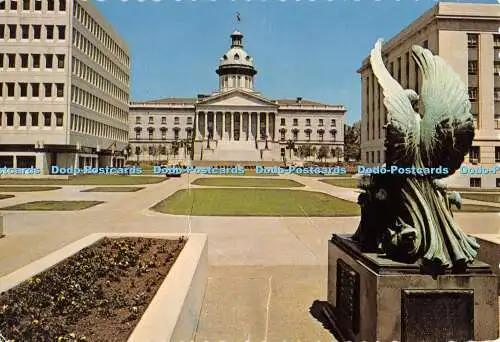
(372, 298)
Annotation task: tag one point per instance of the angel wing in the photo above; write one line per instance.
(403, 127)
(447, 127)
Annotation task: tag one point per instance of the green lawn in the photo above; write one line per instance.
(114, 189)
(247, 182)
(28, 188)
(3, 196)
(474, 190)
(495, 198)
(344, 183)
(255, 202)
(54, 205)
(86, 180)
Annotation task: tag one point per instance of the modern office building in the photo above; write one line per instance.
(236, 122)
(64, 86)
(467, 36)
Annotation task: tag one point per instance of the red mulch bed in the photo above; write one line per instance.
(98, 294)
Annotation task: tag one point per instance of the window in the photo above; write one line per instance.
(13, 5)
(48, 89)
(334, 123)
(308, 134)
(475, 182)
(59, 119)
(12, 31)
(321, 135)
(34, 119)
(60, 89)
(399, 70)
(62, 5)
(496, 68)
(308, 122)
(36, 61)
(47, 119)
(22, 119)
(25, 32)
(163, 120)
(472, 94)
(496, 94)
(295, 135)
(2, 31)
(320, 122)
(497, 154)
(1, 95)
(282, 122)
(48, 61)
(49, 31)
(498, 182)
(10, 89)
(2, 4)
(62, 32)
(425, 45)
(151, 120)
(472, 40)
(26, 5)
(163, 134)
(295, 122)
(137, 119)
(150, 134)
(474, 155)
(37, 29)
(23, 88)
(176, 134)
(176, 120)
(472, 67)
(35, 89)
(11, 58)
(60, 61)
(1, 60)
(282, 137)
(38, 5)
(189, 120)
(50, 5)
(10, 118)
(24, 61)
(138, 135)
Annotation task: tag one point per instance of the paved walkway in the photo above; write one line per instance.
(265, 272)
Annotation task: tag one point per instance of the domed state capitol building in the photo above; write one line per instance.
(235, 122)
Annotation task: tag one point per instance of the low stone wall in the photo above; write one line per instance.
(174, 312)
(489, 252)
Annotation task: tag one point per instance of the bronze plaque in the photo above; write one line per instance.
(348, 296)
(437, 315)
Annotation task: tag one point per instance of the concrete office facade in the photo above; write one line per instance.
(64, 86)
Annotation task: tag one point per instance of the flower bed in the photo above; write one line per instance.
(98, 293)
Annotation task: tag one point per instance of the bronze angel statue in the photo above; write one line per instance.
(408, 217)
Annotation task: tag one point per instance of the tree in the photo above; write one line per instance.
(322, 153)
(352, 141)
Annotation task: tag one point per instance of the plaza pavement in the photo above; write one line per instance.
(265, 272)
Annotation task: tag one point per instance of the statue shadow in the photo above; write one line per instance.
(319, 310)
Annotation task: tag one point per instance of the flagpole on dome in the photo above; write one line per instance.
(238, 19)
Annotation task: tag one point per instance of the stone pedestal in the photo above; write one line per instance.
(375, 299)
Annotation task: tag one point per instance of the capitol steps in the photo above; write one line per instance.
(234, 151)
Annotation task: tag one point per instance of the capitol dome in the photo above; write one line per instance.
(236, 69)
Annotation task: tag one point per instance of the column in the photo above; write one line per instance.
(267, 124)
(258, 126)
(241, 126)
(223, 125)
(231, 132)
(206, 125)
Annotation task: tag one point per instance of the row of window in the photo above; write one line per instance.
(475, 182)
(151, 120)
(31, 90)
(88, 74)
(95, 54)
(32, 61)
(32, 32)
(84, 125)
(333, 122)
(36, 5)
(97, 30)
(474, 91)
(321, 135)
(475, 154)
(236, 81)
(473, 67)
(92, 102)
(31, 119)
(163, 131)
(473, 40)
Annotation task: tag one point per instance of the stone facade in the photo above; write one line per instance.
(64, 86)
(467, 37)
(235, 123)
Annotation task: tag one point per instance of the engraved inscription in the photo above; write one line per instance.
(348, 295)
(437, 315)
